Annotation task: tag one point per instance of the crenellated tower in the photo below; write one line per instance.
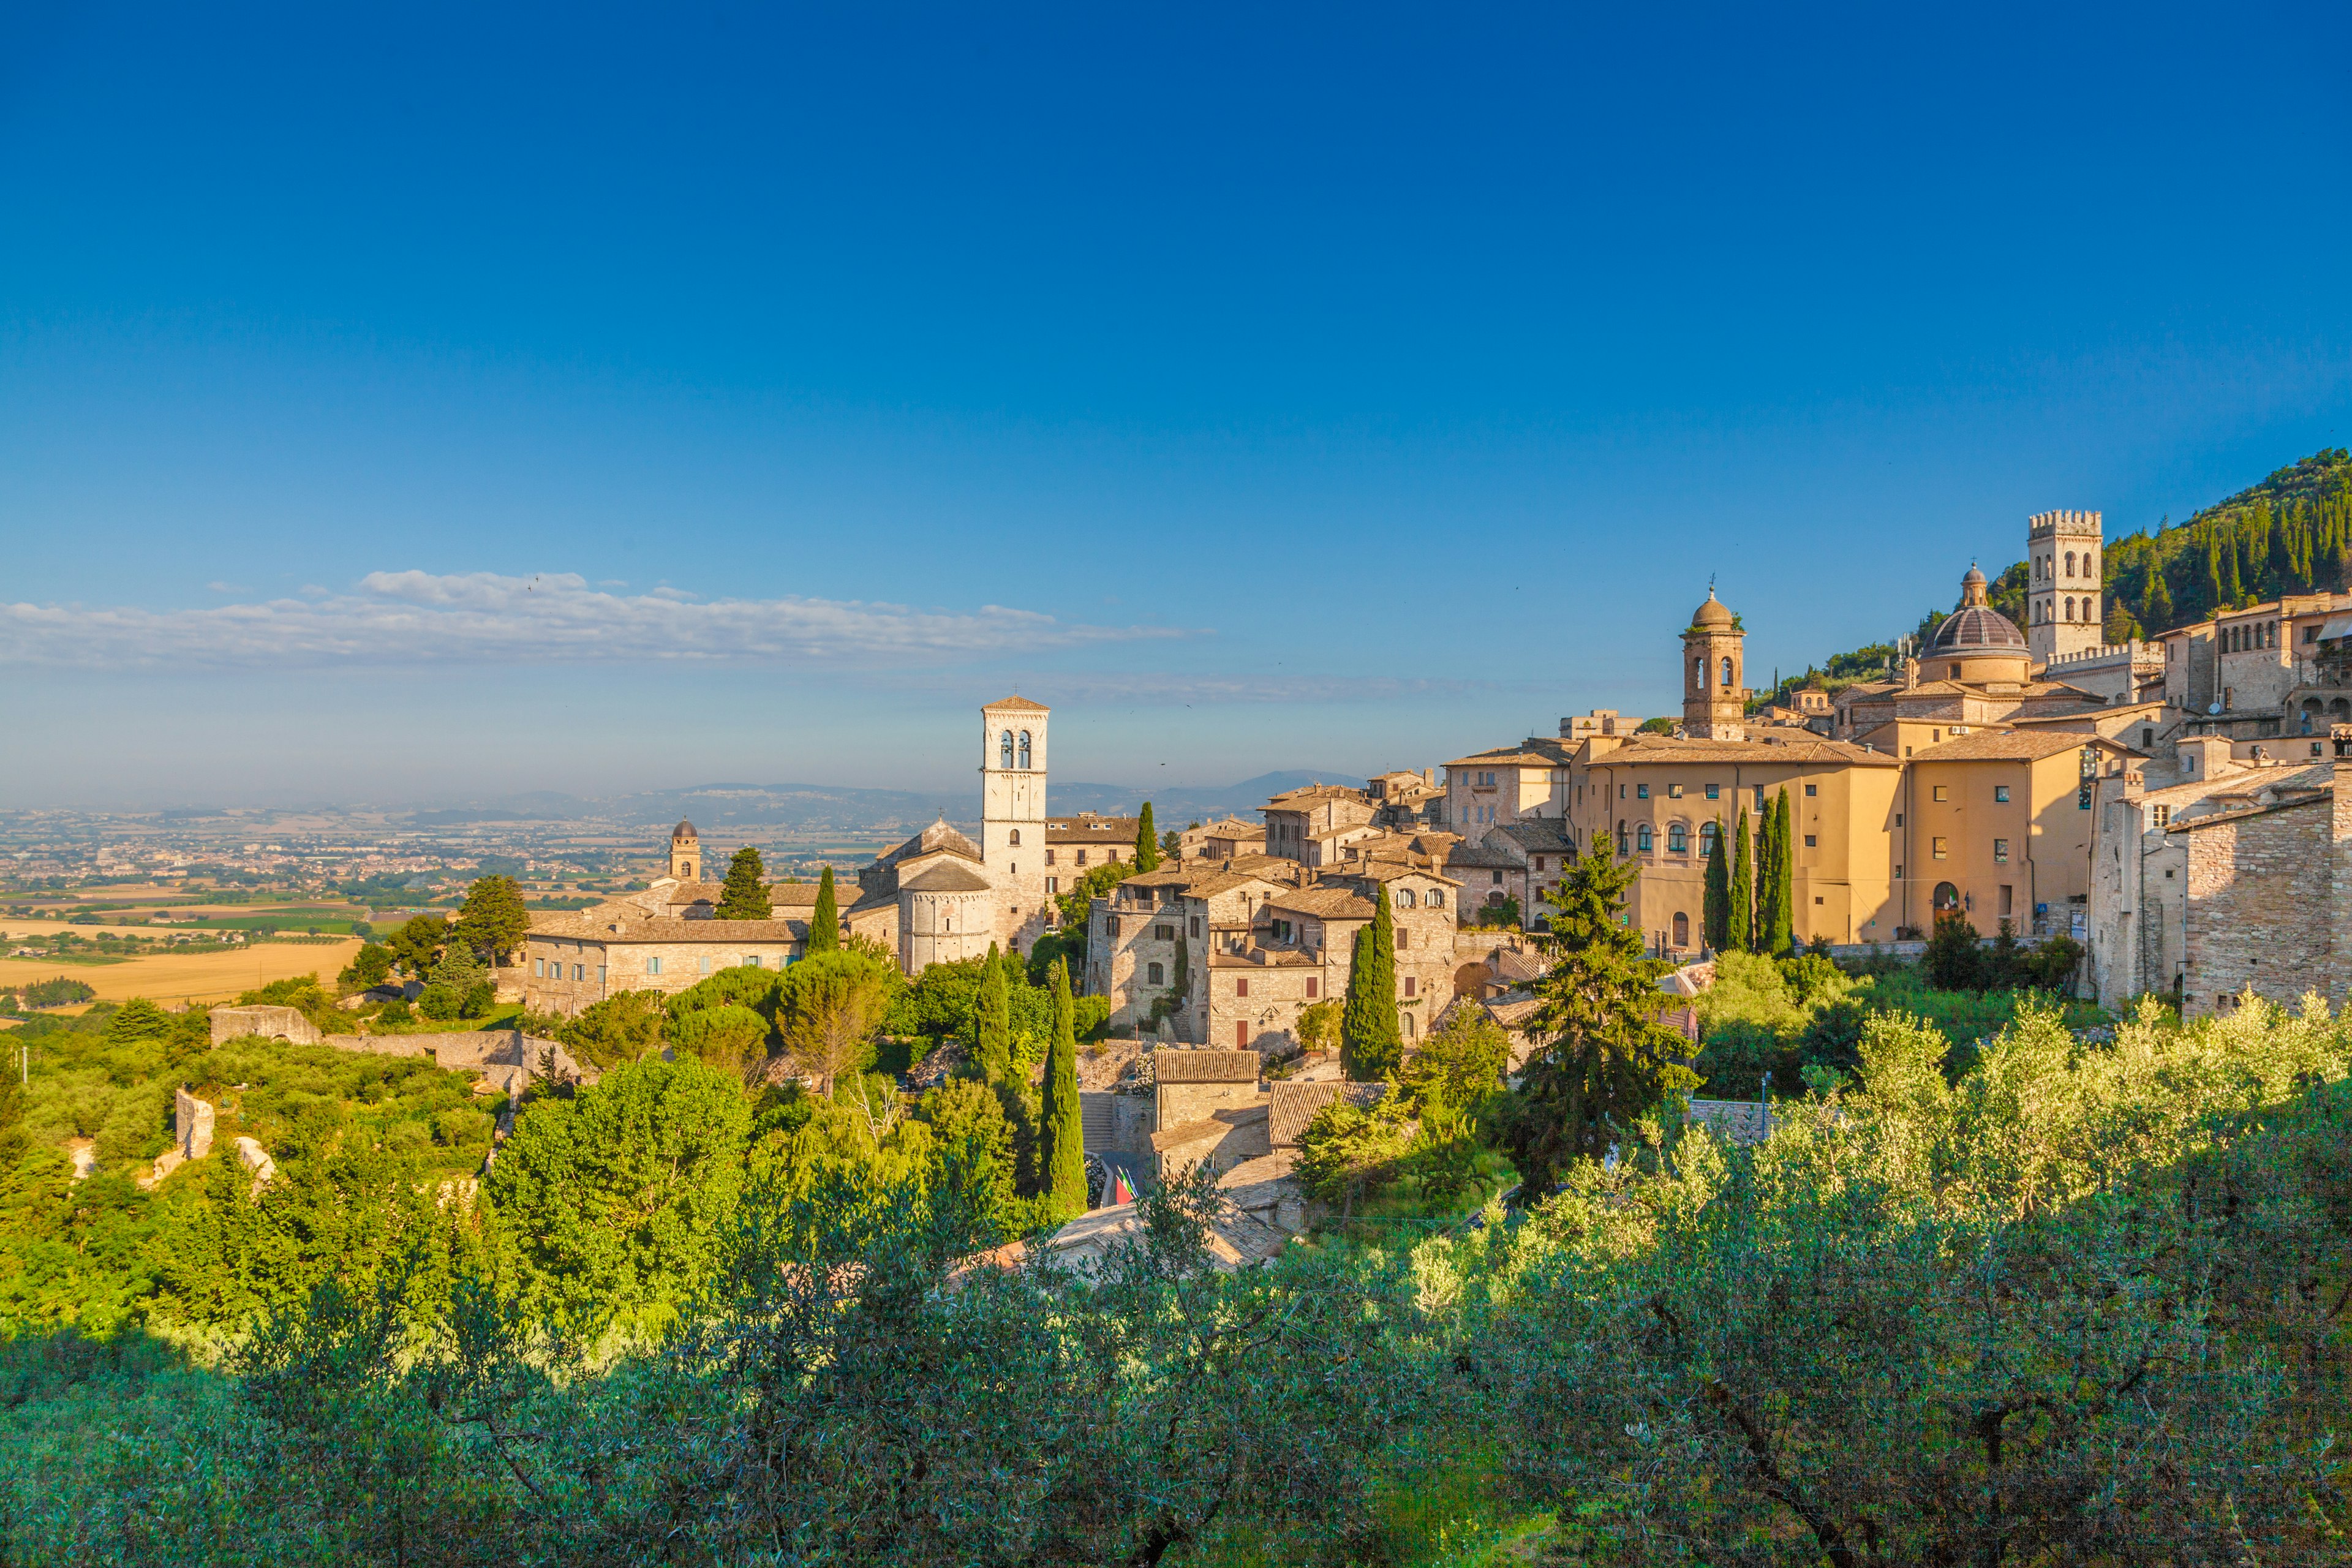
(2066, 553)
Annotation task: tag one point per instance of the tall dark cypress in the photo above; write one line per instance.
(1371, 1046)
(1064, 1130)
(1737, 934)
(1784, 871)
(1718, 919)
(993, 1030)
(825, 920)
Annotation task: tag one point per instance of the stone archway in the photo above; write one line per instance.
(1472, 979)
(1947, 897)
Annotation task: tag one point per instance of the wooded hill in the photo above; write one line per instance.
(2292, 533)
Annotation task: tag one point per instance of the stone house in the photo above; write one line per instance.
(1998, 826)
(1222, 840)
(1207, 1109)
(1312, 824)
(1075, 844)
(2269, 894)
(1489, 788)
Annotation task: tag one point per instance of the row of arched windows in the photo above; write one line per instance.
(1698, 673)
(1644, 839)
(2046, 567)
(1006, 752)
(2041, 611)
(2249, 636)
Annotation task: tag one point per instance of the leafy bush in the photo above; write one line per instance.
(438, 1003)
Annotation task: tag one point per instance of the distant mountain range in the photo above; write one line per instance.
(719, 807)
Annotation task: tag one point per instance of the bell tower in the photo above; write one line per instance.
(1013, 814)
(1714, 670)
(2065, 608)
(685, 853)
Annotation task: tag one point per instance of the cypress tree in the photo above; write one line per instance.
(1718, 919)
(1609, 1060)
(1147, 842)
(1370, 1047)
(1768, 881)
(2158, 612)
(1063, 1131)
(745, 894)
(993, 1021)
(825, 920)
(1784, 876)
(1740, 917)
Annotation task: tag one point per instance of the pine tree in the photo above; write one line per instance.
(745, 894)
(1718, 919)
(495, 919)
(1609, 1060)
(1063, 1130)
(1147, 842)
(1739, 932)
(1369, 1044)
(993, 1021)
(825, 920)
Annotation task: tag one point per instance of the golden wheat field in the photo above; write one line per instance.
(189, 976)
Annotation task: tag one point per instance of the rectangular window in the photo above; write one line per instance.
(1408, 984)
(1808, 841)
(652, 966)
(1082, 856)
(1621, 792)
(1943, 793)
(2007, 901)
(1539, 862)
(1898, 873)
(1196, 927)
(1164, 933)
(2000, 851)
(1760, 797)
(600, 975)
(2163, 816)
(1241, 1036)
(578, 972)
(1310, 988)
(1898, 819)
(1053, 885)
(1714, 792)
(1641, 791)
(1936, 850)
(1674, 791)
(1498, 878)
(1999, 795)
(750, 961)
(1049, 857)
(539, 968)
(1812, 789)
(1241, 986)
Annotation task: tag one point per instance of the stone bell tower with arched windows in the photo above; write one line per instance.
(2064, 609)
(1714, 673)
(1012, 816)
(685, 853)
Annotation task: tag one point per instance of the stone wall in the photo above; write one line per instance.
(193, 1121)
(505, 1058)
(267, 1023)
(2260, 905)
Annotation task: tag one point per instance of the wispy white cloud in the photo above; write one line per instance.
(423, 617)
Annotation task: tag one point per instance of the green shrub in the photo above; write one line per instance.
(438, 1003)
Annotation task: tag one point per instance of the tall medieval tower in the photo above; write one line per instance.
(1715, 699)
(685, 852)
(1013, 814)
(2063, 605)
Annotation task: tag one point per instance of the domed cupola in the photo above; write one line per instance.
(1976, 642)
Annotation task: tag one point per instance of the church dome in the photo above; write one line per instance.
(1711, 614)
(684, 829)
(1976, 625)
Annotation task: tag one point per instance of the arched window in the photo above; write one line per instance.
(2069, 563)
(1621, 836)
(1432, 900)
(1698, 673)
(2088, 569)
(1947, 897)
(1709, 835)
(1004, 750)
(1404, 898)
(1681, 929)
(1677, 839)
(1025, 748)
(1155, 975)
(2070, 609)
(1643, 839)
(1408, 1025)
(1016, 839)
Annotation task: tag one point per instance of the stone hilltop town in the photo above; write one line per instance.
(2171, 804)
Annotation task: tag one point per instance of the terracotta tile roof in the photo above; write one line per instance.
(1324, 903)
(1085, 828)
(1383, 871)
(1016, 703)
(798, 895)
(946, 877)
(1171, 1066)
(1659, 750)
(1530, 754)
(1477, 857)
(1536, 834)
(1294, 1105)
(2013, 745)
(597, 925)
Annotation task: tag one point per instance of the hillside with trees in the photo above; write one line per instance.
(2292, 533)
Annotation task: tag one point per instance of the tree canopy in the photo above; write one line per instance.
(824, 920)
(494, 918)
(745, 894)
(1370, 1044)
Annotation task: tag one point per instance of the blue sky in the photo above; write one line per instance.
(424, 403)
